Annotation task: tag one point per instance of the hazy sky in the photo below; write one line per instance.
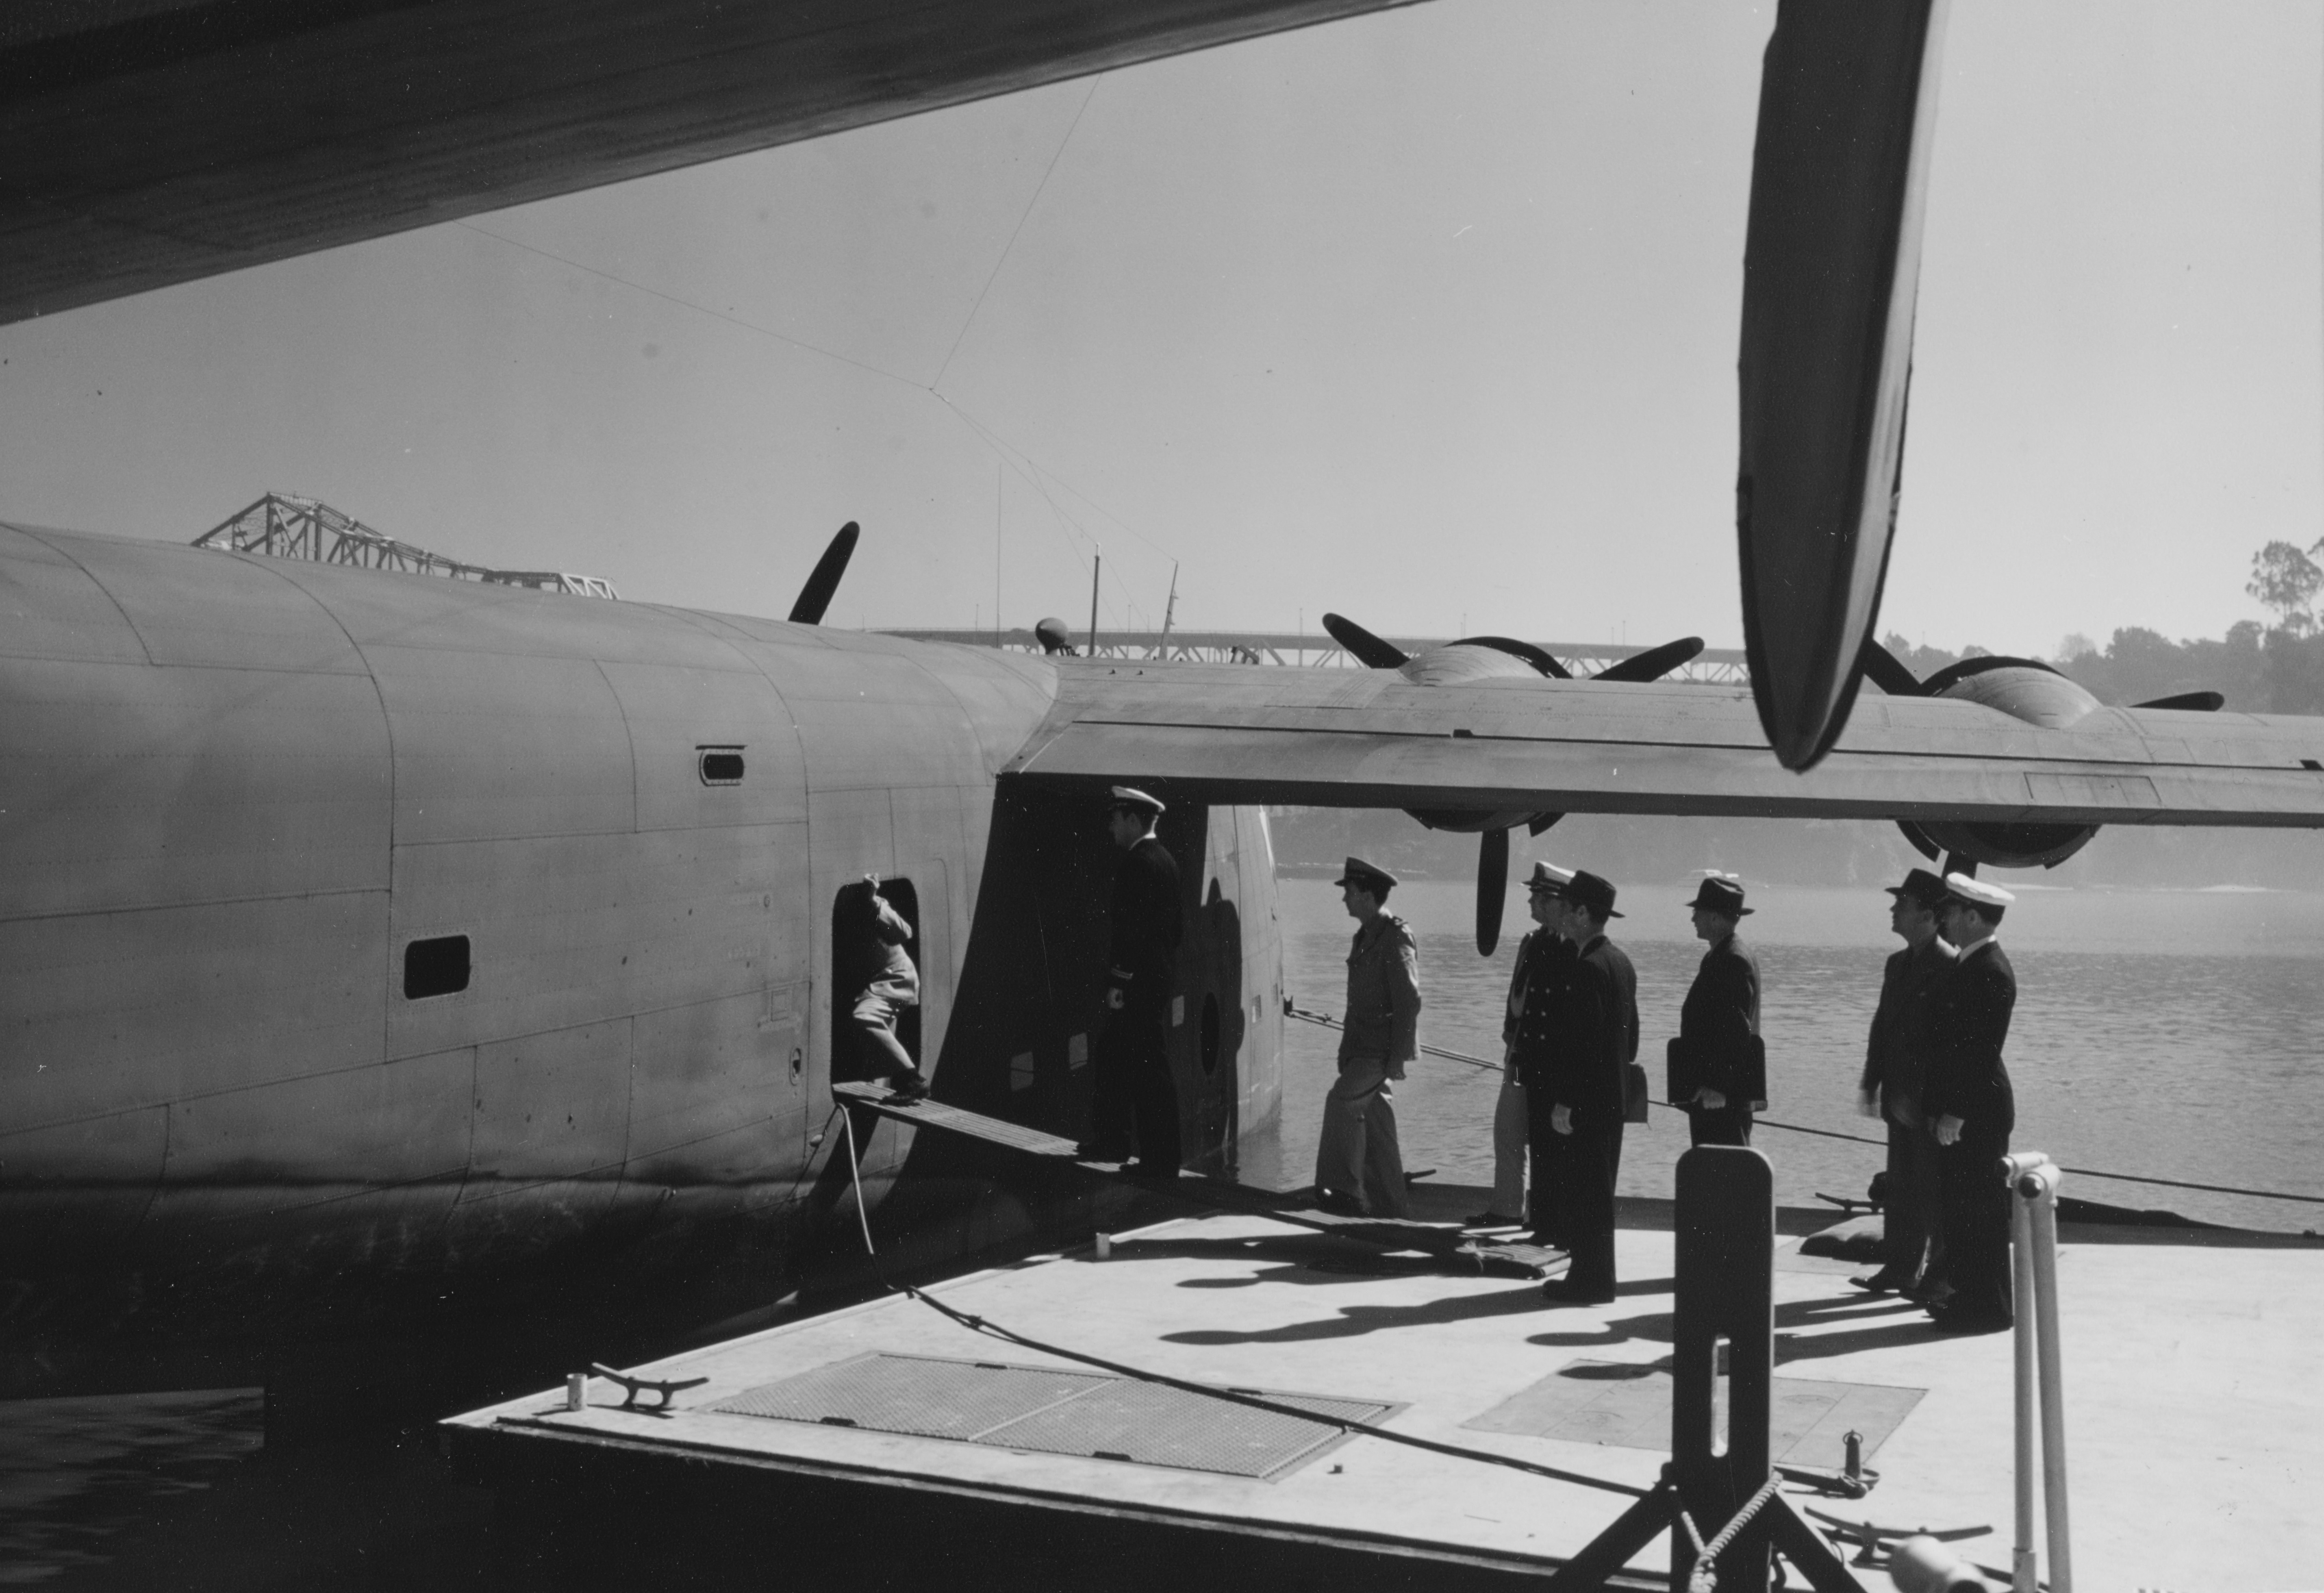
(1429, 318)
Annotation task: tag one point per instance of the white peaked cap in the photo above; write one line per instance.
(1546, 873)
(1978, 891)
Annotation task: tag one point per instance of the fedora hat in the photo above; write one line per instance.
(1719, 894)
(1922, 887)
(1592, 892)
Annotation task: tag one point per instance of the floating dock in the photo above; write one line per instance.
(891, 1442)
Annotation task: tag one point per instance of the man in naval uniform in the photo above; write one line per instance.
(1896, 1075)
(1133, 1085)
(1968, 1098)
(1542, 956)
(1359, 1165)
(1576, 1048)
(1718, 1022)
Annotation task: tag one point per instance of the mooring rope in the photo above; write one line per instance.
(1325, 1020)
(1704, 1577)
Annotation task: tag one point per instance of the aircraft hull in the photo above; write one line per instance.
(239, 792)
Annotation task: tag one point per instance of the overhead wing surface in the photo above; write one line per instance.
(160, 140)
(1372, 739)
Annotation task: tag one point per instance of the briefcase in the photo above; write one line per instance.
(1634, 1093)
(1680, 1071)
(1755, 1083)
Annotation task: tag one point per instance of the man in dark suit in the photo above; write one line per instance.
(1133, 1086)
(1967, 1096)
(1718, 1023)
(1896, 1075)
(1576, 1048)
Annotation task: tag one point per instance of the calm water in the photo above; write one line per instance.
(2176, 1034)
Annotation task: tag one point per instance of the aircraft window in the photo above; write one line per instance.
(855, 957)
(438, 967)
(721, 765)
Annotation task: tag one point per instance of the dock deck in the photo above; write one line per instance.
(2195, 1421)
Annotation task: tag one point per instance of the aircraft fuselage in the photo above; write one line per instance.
(365, 931)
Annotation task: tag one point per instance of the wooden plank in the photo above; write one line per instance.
(1442, 1241)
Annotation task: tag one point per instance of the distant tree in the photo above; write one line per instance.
(2285, 579)
(2074, 646)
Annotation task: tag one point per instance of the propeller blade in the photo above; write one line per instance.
(815, 595)
(1654, 663)
(1889, 671)
(2200, 702)
(1365, 648)
(1492, 887)
(1831, 275)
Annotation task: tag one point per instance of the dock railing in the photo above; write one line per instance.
(2033, 1180)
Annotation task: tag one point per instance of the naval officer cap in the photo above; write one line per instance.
(1548, 879)
(1130, 799)
(1592, 892)
(1364, 877)
(1720, 893)
(1976, 892)
(1922, 886)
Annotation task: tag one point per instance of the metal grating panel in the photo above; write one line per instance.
(913, 1393)
(1629, 1405)
(1058, 1412)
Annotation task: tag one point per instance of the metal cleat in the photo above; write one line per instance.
(637, 1385)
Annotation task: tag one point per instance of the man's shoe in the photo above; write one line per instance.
(1090, 1150)
(1950, 1319)
(1491, 1219)
(907, 1087)
(1335, 1203)
(1886, 1281)
(1152, 1172)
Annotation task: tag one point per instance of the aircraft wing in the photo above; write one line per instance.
(1373, 738)
(166, 140)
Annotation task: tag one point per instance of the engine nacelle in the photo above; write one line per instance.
(1461, 663)
(2026, 689)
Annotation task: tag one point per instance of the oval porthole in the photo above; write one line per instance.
(1210, 1034)
(720, 765)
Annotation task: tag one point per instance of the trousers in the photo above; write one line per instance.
(880, 1053)
(1510, 1135)
(1358, 1153)
(1975, 1223)
(1589, 1164)
(1136, 1098)
(1912, 1228)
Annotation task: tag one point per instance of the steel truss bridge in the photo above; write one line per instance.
(1713, 666)
(287, 527)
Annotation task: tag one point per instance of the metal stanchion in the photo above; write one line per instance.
(2022, 1574)
(2033, 1180)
